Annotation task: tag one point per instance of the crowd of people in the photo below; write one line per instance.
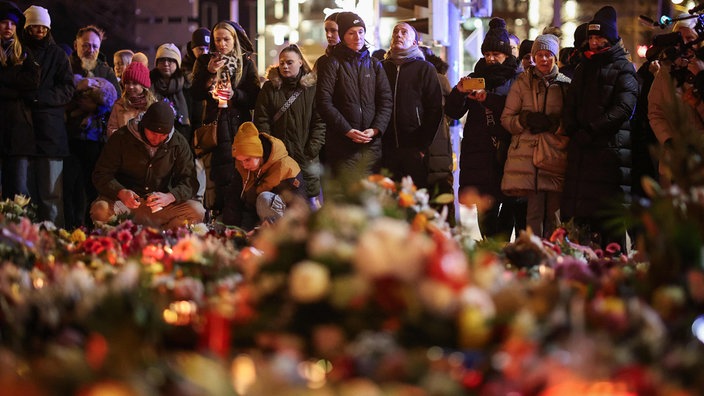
(88, 141)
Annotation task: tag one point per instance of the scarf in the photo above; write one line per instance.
(399, 57)
(497, 74)
(546, 79)
(138, 102)
(172, 89)
(589, 53)
(231, 70)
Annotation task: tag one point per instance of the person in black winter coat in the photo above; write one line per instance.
(485, 142)
(47, 104)
(19, 73)
(354, 100)
(417, 109)
(598, 107)
(228, 73)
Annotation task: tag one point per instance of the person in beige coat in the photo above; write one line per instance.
(534, 106)
(136, 97)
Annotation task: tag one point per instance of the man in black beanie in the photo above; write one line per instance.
(598, 107)
(146, 170)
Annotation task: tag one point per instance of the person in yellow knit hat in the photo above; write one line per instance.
(266, 171)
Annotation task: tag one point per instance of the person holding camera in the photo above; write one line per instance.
(485, 142)
(598, 107)
(146, 170)
(534, 107)
(678, 68)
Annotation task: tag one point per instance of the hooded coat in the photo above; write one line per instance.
(353, 93)
(599, 104)
(300, 127)
(48, 101)
(278, 173)
(229, 119)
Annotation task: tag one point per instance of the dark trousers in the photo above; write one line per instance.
(501, 219)
(78, 185)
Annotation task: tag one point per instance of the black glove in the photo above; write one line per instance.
(523, 118)
(538, 122)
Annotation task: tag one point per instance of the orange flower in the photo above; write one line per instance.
(382, 181)
(405, 200)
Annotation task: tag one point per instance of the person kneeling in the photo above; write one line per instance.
(147, 171)
(265, 171)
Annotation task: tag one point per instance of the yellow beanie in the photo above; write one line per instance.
(247, 141)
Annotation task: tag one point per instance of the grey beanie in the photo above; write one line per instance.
(547, 42)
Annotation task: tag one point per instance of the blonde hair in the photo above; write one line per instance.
(15, 57)
(237, 49)
(148, 93)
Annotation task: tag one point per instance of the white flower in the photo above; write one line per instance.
(199, 229)
(309, 281)
(389, 248)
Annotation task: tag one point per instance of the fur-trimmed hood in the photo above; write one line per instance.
(273, 75)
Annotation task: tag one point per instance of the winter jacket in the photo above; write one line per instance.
(417, 104)
(126, 162)
(524, 178)
(440, 154)
(300, 127)
(485, 141)
(16, 133)
(661, 110)
(229, 119)
(353, 93)
(278, 173)
(48, 102)
(120, 114)
(599, 104)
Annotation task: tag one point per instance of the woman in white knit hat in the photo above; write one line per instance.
(168, 82)
(48, 104)
(534, 107)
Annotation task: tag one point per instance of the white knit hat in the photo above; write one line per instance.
(169, 50)
(37, 15)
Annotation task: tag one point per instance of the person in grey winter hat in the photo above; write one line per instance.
(547, 42)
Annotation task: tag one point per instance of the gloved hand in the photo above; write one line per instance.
(538, 122)
(582, 136)
(523, 119)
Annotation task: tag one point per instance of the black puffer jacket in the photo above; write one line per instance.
(417, 104)
(353, 93)
(599, 104)
(48, 102)
(481, 165)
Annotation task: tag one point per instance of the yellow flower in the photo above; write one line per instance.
(78, 236)
(21, 200)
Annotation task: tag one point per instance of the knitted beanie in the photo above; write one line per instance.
(604, 24)
(138, 73)
(580, 35)
(347, 20)
(141, 57)
(546, 42)
(37, 15)
(10, 11)
(497, 38)
(247, 141)
(525, 48)
(159, 118)
(200, 38)
(170, 51)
